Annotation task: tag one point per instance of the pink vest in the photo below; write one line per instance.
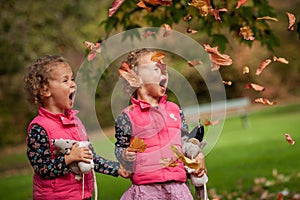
(159, 128)
(64, 187)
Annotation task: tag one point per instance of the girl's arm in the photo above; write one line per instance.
(39, 155)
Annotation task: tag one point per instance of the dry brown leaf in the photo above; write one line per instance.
(280, 60)
(167, 30)
(115, 6)
(141, 4)
(292, 21)
(193, 63)
(289, 139)
(265, 101)
(191, 31)
(262, 66)
(94, 49)
(246, 70)
(254, 86)
(240, 3)
(168, 162)
(157, 56)
(137, 145)
(209, 123)
(129, 75)
(216, 57)
(186, 161)
(159, 2)
(227, 82)
(216, 13)
(267, 18)
(247, 33)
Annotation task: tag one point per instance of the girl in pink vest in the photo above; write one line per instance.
(156, 173)
(50, 84)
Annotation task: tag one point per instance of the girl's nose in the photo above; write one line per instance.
(73, 84)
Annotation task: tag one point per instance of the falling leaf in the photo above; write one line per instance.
(115, 6)
(190, 30)
(187, 17)
(216, 13)
(202, 5)
(94, 49)
(137, 145)
(280, 60)
(280, 196)
(216, 57)
(289, 139)
(247, 33)
(254, 86)
(292, 21)
(169, 162)
(141, 4)
(267, 18)
(209, 123)
(129, 75)
(167, 30)
(262, 66)
(193, 63)
(265, 101)
(240, 3)
(186, 161)
(148, 33)
(246, 70)
(158, 55)
(227, 82)
(159, 2)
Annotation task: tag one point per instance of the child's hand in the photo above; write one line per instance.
(129, 155)
(122, 172)
(78, 154)
(202, 169)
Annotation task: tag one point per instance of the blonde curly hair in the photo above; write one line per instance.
(36, 79)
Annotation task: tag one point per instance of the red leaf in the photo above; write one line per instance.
(115, 6)
(256, 87)
(265, 101)
(280, 60)
(292, 21)
(262, 66)
(240, 3)
(209, 123)
(216, 13)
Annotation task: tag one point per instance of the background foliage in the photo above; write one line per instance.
(30, 29)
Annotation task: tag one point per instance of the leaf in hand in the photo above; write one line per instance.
(280, 60)
(186, 161)
(216, 57)
(240, 3)
(289, 139)
(292, 21)
(254, 86)
(262, 66)
(137, 145)
(169, 162)
(129, 75)
(265, 101)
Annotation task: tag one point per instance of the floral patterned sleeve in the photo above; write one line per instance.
(39, 155)
(183, 122)
(103, 165)
(123, 133)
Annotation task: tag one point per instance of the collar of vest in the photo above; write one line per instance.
(66, 119)
(145, 105)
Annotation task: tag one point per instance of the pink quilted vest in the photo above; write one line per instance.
(64, 187)
(159, 128)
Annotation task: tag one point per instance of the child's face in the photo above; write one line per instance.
(61, 90)
(154, 79)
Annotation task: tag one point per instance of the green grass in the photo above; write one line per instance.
(240, 156)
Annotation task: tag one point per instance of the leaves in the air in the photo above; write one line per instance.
(159, 2)
(292, 21)
(240, 3)
(203, 6)
(191, 31)
(129, 75)
(280, 60)
(148, 33)
(254, 86)
(262, 66)
(137, 145)
(216, 57)
(246, 70)
(216, 13)
(188, 17)
(227, 83)
(193, 63)
(168, 29)
(265, 101)
(114, 7)
(289, 139)
(94, 49)
(246, 33)
(141, 4)
(210, 123)
(267, 18)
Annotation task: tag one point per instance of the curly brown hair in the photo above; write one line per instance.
(36, 80)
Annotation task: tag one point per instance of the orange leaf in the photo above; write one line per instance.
(240, 3)
(246, 70)
(292, 21)
(209, 123)
(280, 60)
(129, 75)
(265, 101)
(216, 57)
(227, 82)
(262, 66)
(256, 87)
(247, 33)
(289, 139)
(158, 56)
(193, 63)
(141, 4)
(186, 161)
(169, 162)
(137, 145)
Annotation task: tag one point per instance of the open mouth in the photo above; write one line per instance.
(163, 83)
(72, 95)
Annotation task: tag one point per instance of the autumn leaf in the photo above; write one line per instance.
(262, 66)
(256, 87)
(94, 49)
(203, 6)
(216, 57)
(267, 18)
(190, 30)
(193, 63)
(186, 161)
(246, 70)
(168, 162)
(115, 6)
(292, 21)
(264, 101)
(247, 33)
(148, 33)
(141, 4)
(187, 17)
(209, 123)
(280, 196)
(168, 29)
(240, 3)
(129, 75)
(280, 60)
(227, 82)
(216, 13)
(137, 145)
(159, 2)
(289, 139)
(157, 56)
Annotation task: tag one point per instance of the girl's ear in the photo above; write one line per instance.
(45, 92)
